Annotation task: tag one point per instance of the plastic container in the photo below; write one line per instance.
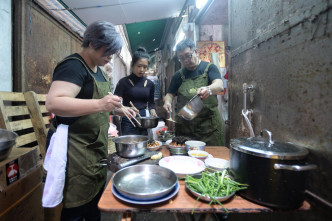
(160, 126)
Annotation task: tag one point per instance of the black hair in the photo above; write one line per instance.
(185, 43)
(102, 33)
(139, 54)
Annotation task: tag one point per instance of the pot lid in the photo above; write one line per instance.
(260, 146)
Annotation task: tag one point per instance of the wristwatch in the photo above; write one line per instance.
(209, 89)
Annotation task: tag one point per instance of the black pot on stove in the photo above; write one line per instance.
(276, 172)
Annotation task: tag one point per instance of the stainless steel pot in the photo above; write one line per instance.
(130, 146)
(148, 122)
(276, 172)
(192, 108)
(7, 141)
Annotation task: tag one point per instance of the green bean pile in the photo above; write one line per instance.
(214, 185)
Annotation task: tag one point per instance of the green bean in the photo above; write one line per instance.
(213, 185)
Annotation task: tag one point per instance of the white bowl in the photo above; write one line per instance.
(216, 163)
(199, 154)
(195, 145)
(155, 147)
(168, 141)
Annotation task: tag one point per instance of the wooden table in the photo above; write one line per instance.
(183, 202)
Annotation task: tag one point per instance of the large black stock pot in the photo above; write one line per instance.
(276, 172)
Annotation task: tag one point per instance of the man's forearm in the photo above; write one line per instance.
(217, 86)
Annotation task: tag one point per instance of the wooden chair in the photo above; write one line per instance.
(26, 114)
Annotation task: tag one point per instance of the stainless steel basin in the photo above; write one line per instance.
(130, 146)
(144, 182)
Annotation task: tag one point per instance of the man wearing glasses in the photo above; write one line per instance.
(202, 78)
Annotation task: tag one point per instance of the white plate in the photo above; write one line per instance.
(146, 202)
(183, 165)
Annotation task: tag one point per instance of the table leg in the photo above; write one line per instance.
(178, 217)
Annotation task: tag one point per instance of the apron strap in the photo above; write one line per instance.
(83, 63)
(207, 68)
(182, 75)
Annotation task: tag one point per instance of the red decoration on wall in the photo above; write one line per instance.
(205, 48)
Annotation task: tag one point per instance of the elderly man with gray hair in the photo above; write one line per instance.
(202, 78)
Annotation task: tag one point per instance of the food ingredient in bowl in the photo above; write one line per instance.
(199, 154)
(214, 185)
(154, 144)
(157, 156)
(179, 141)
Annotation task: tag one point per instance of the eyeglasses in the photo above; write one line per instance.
(186, 57)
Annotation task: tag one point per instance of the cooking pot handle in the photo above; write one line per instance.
(269, 133)
(278, 166)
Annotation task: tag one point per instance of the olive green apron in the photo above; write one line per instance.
(207, 125)
(87, 145)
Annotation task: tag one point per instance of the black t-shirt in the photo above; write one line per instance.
(138, 94)
(73, 71)
(213, 73)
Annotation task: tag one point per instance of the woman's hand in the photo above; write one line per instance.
(120, 112)
(110, 102)
(134, 109)
(153, 113)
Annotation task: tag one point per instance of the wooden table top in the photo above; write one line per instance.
(184, 202)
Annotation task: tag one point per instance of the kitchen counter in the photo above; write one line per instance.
(183, 202)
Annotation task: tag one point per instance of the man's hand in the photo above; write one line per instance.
(168, 102)
(203, 92)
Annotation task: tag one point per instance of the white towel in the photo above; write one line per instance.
(55, 165)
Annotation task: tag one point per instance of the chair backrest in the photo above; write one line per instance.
(26, 114)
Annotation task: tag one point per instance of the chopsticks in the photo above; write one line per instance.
(131, 103)
(126, 113)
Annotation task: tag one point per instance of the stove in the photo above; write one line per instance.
(116, 162)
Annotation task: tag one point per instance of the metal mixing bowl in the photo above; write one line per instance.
(144, 182)
(7, 141)
(148, 122)
(130, 146)
(178, 151)
(192, 108)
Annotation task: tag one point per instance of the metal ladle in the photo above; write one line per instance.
(170, 117)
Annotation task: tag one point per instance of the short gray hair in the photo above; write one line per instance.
(102, 33)
(185, 43)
